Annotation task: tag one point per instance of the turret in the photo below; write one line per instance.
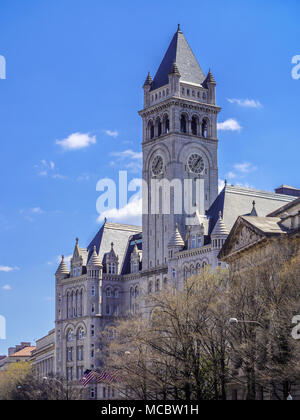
(62, 272)
(176, 242)
(219, 233)
(210, 84)
(147, 88)
(174, 80)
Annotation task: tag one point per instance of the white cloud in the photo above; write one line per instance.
(128, 154)
(231, 175)
(7, 269)
(111, 133)
(221, 185)
(67, 259)
(36, 210)
(76, 141)
(245, 167)
(6, 287)
(247, 103)
(229, 125)
(131, 213)
(133, 160)
(83, 178)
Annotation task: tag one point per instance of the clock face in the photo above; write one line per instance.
(157, 165)
(196, 163)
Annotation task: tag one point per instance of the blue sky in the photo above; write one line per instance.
(75, 71)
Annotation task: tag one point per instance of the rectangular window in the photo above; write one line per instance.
(93, 291)
(199, 241)
(193, 241)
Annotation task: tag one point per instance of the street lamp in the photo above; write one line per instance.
(290, 398)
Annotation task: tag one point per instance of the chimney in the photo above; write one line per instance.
(288, 190)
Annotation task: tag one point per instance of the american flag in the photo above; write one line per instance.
(105, 376)
(88, 376)
(100, 377)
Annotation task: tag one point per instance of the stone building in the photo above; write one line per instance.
(122, 263)
(43, 356)
(20, 353)
(253, 240)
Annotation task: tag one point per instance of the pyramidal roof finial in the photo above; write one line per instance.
(254, 212)
(178, 29)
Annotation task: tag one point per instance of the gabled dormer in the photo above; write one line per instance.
(112, 261)
(135, 259)
(77, 261)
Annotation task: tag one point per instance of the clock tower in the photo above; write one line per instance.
(180, 145)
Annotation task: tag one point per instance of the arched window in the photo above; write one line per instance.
(116, 293)
(137, 292)
(166, 124)
(198, 268)
(80, 333)
(204, 264)
(107, 309)
(150, 129)
(157, 285)
(108, 292)
(183, 124)
(158, 127)
(194, 126)
(173, 273)
(70, 335)
(131, 298)
(150, 287)
(68, 305)
(204, 128)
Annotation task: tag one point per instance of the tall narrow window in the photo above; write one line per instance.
(194, 126)
(205, 128)
(183, 124)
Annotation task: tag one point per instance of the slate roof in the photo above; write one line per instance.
(266, 225)
(180, 52)
(116, 233)
(285, 207)
(235, 201)
(134, 239)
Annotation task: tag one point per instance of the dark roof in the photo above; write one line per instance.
(132, 240)
(116, 233)
(235, 201)
(179, 52)
(284, 208)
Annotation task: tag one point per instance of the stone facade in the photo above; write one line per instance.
(122, 263)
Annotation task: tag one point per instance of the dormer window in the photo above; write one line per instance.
(193, 243)
(199, 241)
(111, 268)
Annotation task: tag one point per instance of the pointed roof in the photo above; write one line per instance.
(62, 269)
(174, 69)
(179, 52)
(176, 239)
(220, 227)
(254, 212)
(148, 81)
(209, 79)
(95, 260)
